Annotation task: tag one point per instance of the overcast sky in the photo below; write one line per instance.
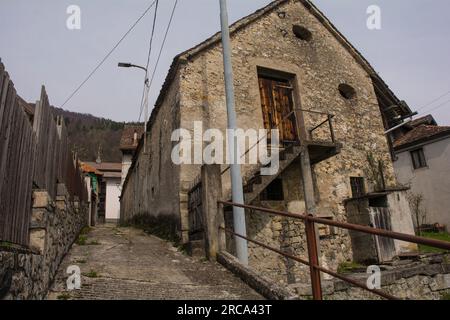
(411, 51)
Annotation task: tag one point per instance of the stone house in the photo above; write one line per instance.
(293, 71)
(422, 163)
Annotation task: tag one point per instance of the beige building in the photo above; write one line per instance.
(292, 71)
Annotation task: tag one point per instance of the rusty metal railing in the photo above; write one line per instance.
(313, 254)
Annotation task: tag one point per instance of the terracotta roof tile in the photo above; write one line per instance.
(420, 134)
(106, 166)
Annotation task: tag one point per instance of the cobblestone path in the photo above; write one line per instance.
(126, 263)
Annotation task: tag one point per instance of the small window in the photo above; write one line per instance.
(274, 191)
(347, 91)
(302, 33)
(358, 188)
(418, 159)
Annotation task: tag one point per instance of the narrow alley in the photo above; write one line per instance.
(127, 263)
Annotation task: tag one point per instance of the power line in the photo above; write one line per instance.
(438, 106)
(161, 49)
(433, 101)
(164, 41)
(108, 54)
(146, 87)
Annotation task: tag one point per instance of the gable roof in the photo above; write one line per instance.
(428, 120)
(189, 54)
(421, 134)
(127, 140)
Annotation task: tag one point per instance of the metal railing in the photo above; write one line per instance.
(328, 121)
(313, 253)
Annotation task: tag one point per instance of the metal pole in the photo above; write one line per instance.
(236, 178)
(147, 88)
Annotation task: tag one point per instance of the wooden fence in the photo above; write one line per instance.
(34, 153)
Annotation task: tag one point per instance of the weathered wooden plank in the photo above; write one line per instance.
(8, 188)
(4, 146)
(17, 177)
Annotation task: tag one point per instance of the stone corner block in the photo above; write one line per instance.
(41, 199)
(37, 240)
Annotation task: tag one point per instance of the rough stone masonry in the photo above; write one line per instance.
(316, 66)
(55, 225)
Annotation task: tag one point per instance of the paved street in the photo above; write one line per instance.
(126, 263)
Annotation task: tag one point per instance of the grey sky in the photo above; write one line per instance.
(411, 52)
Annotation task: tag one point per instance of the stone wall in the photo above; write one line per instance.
(426, 279)
(55, 225)
(196, 93)
(317, 67)
(152, 186)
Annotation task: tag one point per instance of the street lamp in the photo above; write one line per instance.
(130, 65)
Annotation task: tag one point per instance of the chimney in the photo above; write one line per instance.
(135, 138)
(99, 159)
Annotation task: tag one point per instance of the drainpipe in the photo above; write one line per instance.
(236, 177)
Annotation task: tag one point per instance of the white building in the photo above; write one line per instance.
(109, 191)
(423, 164)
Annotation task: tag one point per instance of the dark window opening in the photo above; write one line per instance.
(418, 159)
(358, 188)
(378, 202)
(347, 91)
(302, 33)
(274, 191)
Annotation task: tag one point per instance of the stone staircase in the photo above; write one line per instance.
(257, 183)
(319, 151)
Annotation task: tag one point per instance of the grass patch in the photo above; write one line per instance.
(445, 296)
(91, 274)
(85, 230)
(81, 241)
(63, 296)
(349, 266)
(80, 261)
(93, 243)
(163, 227)
(443, 236)
(6, 244)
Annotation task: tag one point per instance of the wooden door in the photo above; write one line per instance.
(277, 106)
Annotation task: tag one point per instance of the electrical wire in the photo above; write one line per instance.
(433, 101)
(161, 49)
(146, 87)
(108, 54)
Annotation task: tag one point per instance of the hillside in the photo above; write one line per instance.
(89, 134)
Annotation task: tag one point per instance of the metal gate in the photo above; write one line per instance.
(195, 212)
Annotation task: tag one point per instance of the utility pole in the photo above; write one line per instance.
(236, 177)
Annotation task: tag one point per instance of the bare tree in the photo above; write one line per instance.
(419, 214)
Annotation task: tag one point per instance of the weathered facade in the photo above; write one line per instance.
(422, 161)
(308, 66)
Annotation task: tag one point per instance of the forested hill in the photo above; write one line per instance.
(88, 134)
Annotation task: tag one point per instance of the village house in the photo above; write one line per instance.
(295, 72)
(108, 180)
(92, 178)
(128, 145)
(422, 162)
